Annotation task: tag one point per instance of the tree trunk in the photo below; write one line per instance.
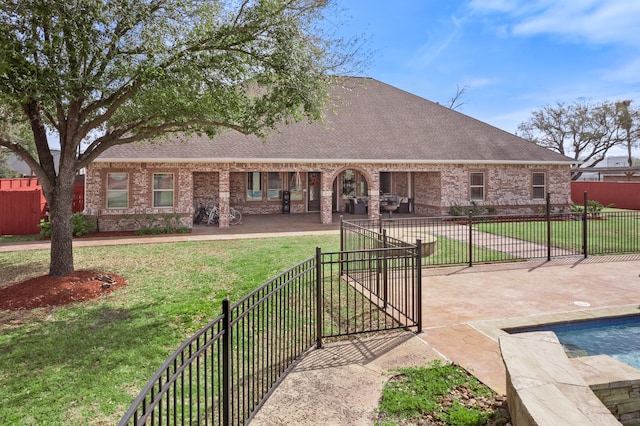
(60, 211)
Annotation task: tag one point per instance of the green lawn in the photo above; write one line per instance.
(18, 238)
(84, 364)
(609, 233)
(452, 252)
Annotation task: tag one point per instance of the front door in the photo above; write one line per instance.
(313, 191)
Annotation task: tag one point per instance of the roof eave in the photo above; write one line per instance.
(326, 160)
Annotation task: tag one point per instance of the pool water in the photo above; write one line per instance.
(618, 337)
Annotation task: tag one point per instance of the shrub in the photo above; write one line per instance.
(594, 208)
(474, 208)
(153, 224)
(79, 225)
(456, 210)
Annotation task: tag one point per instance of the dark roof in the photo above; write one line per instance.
(366, 121)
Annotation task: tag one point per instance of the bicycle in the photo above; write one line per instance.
(212, 215)
(200, 214)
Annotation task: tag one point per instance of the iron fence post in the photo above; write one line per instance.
(419, 283)
(584, 226)
(548, 226)
(319, 325)
(342, 243)
(470, 238)
(384, 269)
(226, 363)
(342, 233)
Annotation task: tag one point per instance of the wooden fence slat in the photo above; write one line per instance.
(623, 195)
(22, 205)
(20, 211)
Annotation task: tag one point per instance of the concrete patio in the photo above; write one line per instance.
(464, 310)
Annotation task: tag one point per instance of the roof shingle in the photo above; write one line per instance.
(366, 121)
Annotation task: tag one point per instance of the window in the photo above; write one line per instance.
(476, 186)
(254, 186)
(539, 186)
(274, 186)
(163, 189)
(295, 185)
(117, 190)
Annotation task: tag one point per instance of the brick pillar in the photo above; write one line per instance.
(223, 202)
(374, 195)
(326, 195)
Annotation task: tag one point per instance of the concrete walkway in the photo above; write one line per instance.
(252, 226)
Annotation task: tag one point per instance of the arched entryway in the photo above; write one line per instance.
(349, 186)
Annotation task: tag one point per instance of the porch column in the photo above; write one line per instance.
(223, 202)
(326, 198)
(374, 196)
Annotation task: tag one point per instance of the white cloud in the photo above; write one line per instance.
(596, 21)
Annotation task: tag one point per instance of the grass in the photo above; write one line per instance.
(19, 238)
(612, 232)
(452, 252)
(84, 364)
(442, 393)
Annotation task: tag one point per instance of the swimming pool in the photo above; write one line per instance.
(618, 337)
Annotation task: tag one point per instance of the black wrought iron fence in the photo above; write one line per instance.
(453, 240)
(372, 290)
(615, 232)
(225, 372)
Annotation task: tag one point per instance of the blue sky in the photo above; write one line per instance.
(514, 56)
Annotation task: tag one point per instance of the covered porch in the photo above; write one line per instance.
(352, 190)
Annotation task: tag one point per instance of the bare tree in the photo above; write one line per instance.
(583, 131)
(456, 101)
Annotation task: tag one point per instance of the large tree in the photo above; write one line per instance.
(583, 131)
(90, 74)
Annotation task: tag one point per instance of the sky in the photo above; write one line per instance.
(512, 56)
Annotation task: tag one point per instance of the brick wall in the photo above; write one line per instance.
(436, 187)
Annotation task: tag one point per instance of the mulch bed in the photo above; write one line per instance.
(46, 291)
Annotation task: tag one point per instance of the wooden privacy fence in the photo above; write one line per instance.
(21, 183)
(623, 195)
(22, 205)
(21, 210)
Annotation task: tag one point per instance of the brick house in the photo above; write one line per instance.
(377, 145)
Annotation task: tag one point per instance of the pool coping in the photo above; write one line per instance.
(601, 372)
(494, 329)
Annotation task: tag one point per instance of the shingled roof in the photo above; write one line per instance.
(366, 121)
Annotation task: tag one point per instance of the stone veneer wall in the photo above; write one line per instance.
(543, 387)
(622, 399)
(436, 187)
(615, 383)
